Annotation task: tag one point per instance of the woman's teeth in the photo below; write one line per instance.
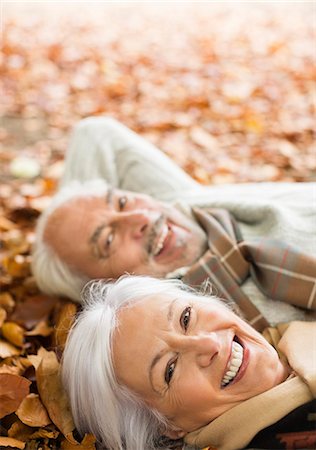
(161, 240)
(234, 364)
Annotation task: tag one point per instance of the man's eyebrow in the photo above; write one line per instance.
(109, 196)
(94, 241)
(96, 233)
(157, 358)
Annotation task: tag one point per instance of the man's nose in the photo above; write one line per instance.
(203, 348)
(135, 222)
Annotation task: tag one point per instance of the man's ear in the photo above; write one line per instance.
(174, 433)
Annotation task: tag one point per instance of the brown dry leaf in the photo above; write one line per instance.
(88, 443)
(7, 442)
(35, 360)
(33, 309)
(19, 430)
(41, 329)
(17, 266)
(7, 349)
(45, 433)
(52, 393)
(5, 368)
(64, 322)
(13, 333)
(13, 389)
(6, 224)
(17, 362)
(3, 316)
(32, 412)
(6, 301)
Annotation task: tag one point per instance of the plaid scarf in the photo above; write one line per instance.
(281, 272)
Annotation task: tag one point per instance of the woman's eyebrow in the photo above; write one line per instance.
(158, 356)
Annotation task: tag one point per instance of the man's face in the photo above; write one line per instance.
(191, 359)
(121, 232)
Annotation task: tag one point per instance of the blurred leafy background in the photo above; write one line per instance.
(226, 89)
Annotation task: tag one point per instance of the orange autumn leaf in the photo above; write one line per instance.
(65, 320)
(13, 389)
(7, 349)
(88, 443)
(41, 329)
(17, 266)
(6, 301)
(32, 412)
(3, 315)
(7, 442)
(13, 333)
(20, 431)
(52, 393)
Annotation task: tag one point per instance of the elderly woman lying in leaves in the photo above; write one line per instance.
(152, 364)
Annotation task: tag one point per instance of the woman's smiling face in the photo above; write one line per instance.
(191, 358)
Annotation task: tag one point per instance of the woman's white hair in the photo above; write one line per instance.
(117, 417)
(52, 274)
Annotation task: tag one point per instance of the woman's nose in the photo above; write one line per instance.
(203, 348)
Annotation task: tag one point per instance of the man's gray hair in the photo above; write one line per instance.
(52, 274)
(100, 405)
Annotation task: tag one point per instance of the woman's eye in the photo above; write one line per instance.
(109, 240)
(170, 371)
(122, 202)
(185, 318)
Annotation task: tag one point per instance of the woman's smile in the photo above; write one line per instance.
(191, 358)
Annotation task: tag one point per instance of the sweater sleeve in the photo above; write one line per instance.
(101, 147)
(299, 345)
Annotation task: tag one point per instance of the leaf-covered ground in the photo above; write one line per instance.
(227, 91)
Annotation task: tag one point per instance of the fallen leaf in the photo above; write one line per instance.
(88, 443)
(13, 333)
(7, 349)
(32, 412)
(45, 433)
(41, 329)
(13, 389)
(20, 431)
(10, 442)
(6, 224)
(3, 315)
(33, 309)
(6, 301)
(52, 393)
(5, 368)
(65, 320)
(17, 266)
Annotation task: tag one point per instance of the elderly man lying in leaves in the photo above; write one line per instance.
(124, 207)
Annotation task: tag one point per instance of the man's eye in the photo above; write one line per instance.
(122, 202)
(185, 318)
(109, 240)
(170, 371)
